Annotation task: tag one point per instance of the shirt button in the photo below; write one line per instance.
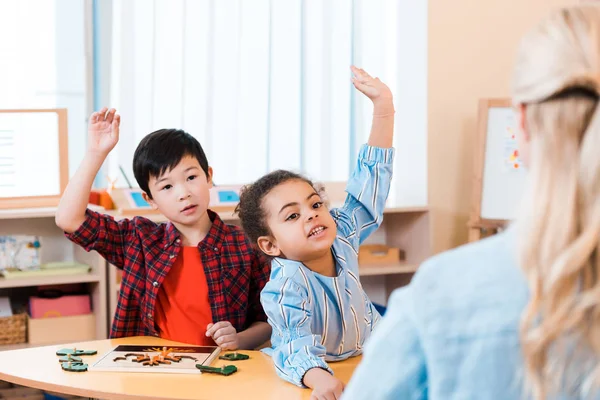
(155, 284)
(216, 249)
(171, 255)
(178, 240)
(149, 315)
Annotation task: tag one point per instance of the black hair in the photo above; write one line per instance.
(161, 151)
(250, 210)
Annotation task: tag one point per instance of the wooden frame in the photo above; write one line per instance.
(477, 225)
(63, 157)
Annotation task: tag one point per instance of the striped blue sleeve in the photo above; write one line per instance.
(368, 189)
(393, 363)
(294, 348)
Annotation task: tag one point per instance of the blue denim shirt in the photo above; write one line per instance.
(453, 332)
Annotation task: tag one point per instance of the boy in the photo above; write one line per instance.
(194, 279)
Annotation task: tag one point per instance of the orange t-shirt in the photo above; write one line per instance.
(182, 308)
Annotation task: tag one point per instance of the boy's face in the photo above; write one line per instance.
(302, 228)
(182, 193)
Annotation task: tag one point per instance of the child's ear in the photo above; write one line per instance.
(149, 201)
(268, 246)
(209, 176)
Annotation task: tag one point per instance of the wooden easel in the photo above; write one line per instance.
(478, 226)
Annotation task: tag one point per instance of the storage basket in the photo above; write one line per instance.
(13, 329)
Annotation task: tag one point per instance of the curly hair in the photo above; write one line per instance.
(250, 210)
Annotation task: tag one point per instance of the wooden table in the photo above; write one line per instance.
(38, 367)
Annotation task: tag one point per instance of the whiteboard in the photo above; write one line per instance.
(33, 157)
(503, 172)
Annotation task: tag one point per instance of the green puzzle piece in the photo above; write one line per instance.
(224, 370)
(234, 356)
(76, 352)
(71, 358)
(74, 366)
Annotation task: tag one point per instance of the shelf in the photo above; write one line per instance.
(16, 213)
(49, 212)
(405, 210)
(48, 280)
(369, 270)
(383, 269)
(36, 212)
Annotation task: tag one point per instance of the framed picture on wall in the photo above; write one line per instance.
(34, 166)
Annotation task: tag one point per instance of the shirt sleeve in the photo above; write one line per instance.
(100, 232)
(261, 268)
(368, 189)
(295, 349)
(393, 364)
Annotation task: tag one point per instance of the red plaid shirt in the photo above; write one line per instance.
(145, 250)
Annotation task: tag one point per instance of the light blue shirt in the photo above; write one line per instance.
(453, 332)
(316, 318)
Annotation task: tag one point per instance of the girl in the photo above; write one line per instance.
(454, 333)
(314, 301)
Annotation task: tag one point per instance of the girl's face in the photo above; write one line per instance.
(300, 224)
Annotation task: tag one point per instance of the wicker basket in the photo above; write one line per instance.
(13, 329)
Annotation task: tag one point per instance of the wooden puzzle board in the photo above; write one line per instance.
(204, 355)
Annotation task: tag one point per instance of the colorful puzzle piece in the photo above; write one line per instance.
(76, 352)
(234, 356)
(141, 358)
(74, 366)
(224, 370)
(70, 358)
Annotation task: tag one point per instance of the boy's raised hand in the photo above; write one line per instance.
(103, 130)
(373, 88)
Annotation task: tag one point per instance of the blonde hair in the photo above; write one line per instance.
(557, 78)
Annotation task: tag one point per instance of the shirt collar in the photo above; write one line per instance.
(214, 238)
(216, 234)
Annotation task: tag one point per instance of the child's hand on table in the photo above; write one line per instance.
(224, 335)
(325, 386)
